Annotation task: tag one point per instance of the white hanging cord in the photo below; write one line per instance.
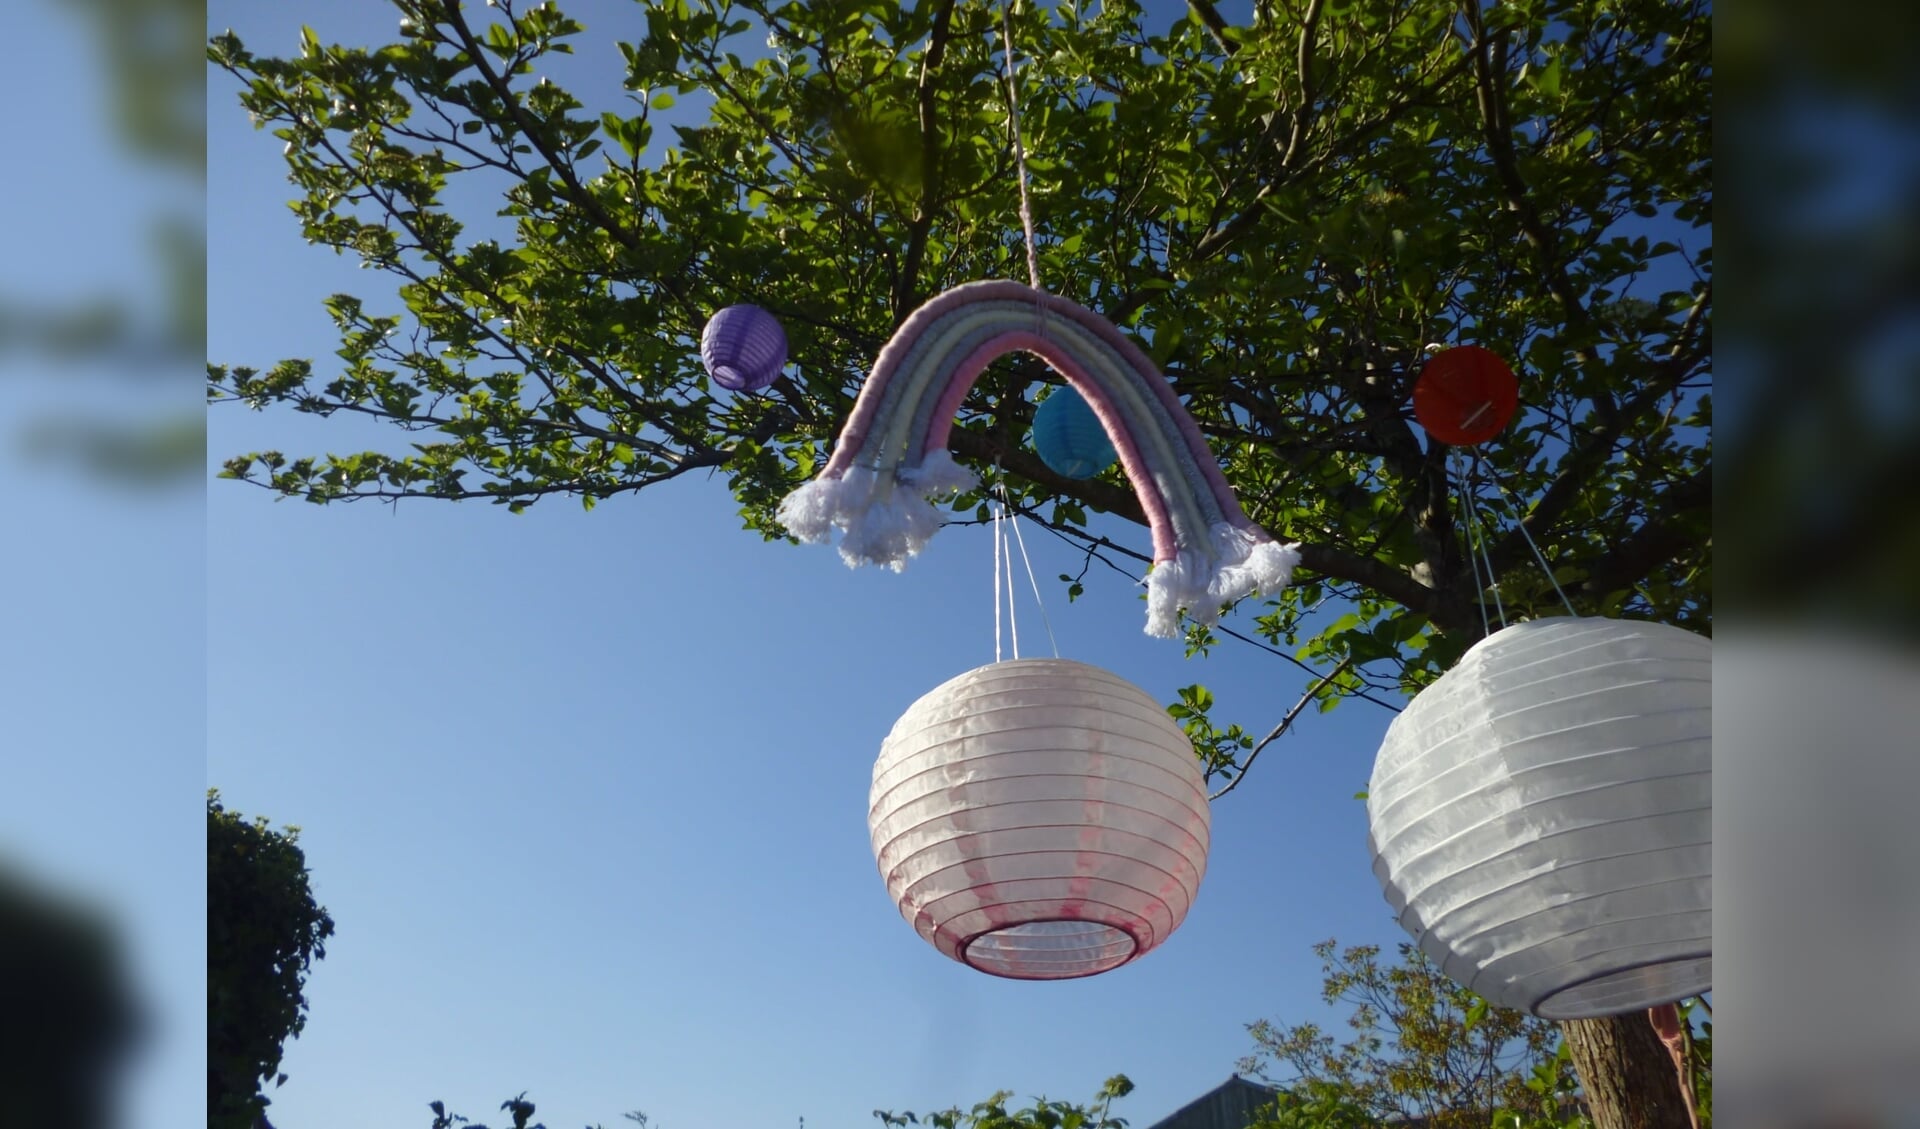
(1033, 279)
(1013, 612)
(1473, 559)
(1019, 147)
(1520, 523)
(1032, 582)
(996, 582)
(1486, 556)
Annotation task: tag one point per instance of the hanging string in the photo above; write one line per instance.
(1480, 539)
(996, 582)
(1019, 147)
(1004, 505)
(1032, 582)
(1520, 523)
(1013, 613)
(1473, 559)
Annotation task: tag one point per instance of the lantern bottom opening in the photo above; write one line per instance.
(1630, 989)
(1051, 949)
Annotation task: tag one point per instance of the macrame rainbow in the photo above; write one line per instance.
(891, 458)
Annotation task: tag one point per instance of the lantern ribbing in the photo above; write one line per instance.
(1541, 817)
(1040, 819)
(743, 348)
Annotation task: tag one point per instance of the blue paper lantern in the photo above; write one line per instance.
(1069, 438)
(743, 348)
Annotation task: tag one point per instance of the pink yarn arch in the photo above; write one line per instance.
(891, 457)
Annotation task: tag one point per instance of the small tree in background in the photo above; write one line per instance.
(264, 931)
(518, 1108)
(989, 1114)
(68, 1017)
(1042, 1114)
(1423, 1047)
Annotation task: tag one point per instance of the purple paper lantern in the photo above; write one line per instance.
(743, 348)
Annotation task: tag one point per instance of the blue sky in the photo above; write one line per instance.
(586, 792)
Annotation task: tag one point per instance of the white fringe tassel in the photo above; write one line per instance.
(1242, 562)
(886, 519)
(883, 520)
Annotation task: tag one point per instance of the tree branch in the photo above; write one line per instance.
(444, 257)
(1338, 564)
(906, 287)
(531, 126)
(1587, 456)
(1655, 542)
(1285, 722)
(1303, 62)
(1015, 459)
(1219, 238)
(515, 490)
(1216, 25)
(1498, 135)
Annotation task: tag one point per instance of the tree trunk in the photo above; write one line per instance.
(1627, 1073)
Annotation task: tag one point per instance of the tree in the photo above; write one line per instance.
(518, 1108)
(989, 1114)
(1645, 1088)
(1422, 1047)
(1285, 214)
(264, 931)
(1425, 1050)
(1042, 1114)
(70, 1017)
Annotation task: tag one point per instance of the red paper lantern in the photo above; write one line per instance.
(1465, 395)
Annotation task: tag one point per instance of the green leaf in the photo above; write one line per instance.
(1547, 79)
(1475, 1014)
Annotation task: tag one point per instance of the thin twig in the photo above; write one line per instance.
(1247, 765)
(1277, 653)
(1216, 25)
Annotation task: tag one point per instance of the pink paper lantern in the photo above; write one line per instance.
(1040, 819)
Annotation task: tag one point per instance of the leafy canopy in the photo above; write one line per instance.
(989, 1114)
(1421, 1048)
(1287, 215)
(264, 931)
(993, 1113)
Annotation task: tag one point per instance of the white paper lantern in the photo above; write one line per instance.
(1541, 817)
(1040, 819)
